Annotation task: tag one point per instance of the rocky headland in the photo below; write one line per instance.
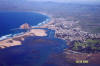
(17, 40)
(25, 26)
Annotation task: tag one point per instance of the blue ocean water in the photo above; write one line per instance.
(34, 51)
(12, 20)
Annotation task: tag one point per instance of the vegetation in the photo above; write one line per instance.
(91, 45)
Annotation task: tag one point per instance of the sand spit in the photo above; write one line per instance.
(38, 32)
(8, 43)
(16, 40)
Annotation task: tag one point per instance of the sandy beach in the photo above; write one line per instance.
(52, 20)
(16, 40)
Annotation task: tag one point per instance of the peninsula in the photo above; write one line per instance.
(77, 24)
(70, 31)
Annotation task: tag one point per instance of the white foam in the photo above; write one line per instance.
(12, 35)
(42, 23)
(5, 37)
(18, 34)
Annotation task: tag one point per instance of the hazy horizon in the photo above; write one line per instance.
(61, 1)
(71, 1)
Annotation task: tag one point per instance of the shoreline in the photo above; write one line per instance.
(51, 25)
(48, 19)
(16, 40)
(64, 30)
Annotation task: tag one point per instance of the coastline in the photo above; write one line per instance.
(48, 22)
(69, 56)
(17, 39)
(62, 31)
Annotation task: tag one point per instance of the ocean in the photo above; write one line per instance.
(9, 21)
(34, 50)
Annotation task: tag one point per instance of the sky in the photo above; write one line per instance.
(65, 1)
(59, 0)
(69, 0)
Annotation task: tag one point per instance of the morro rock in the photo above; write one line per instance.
(25, 26)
